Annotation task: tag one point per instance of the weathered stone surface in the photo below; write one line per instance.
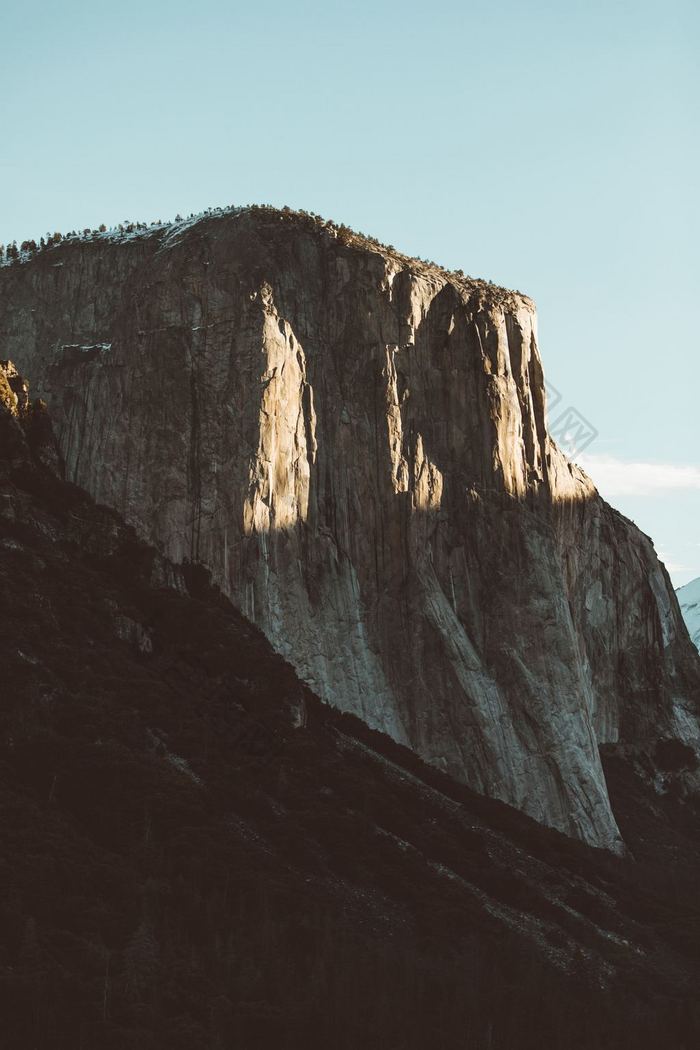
(355, 444)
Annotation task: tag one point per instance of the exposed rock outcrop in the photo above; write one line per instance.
(355, 444)
(25, 428)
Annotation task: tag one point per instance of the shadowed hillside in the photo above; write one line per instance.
(195, 852)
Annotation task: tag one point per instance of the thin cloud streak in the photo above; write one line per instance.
(618, 477)
(672, 566)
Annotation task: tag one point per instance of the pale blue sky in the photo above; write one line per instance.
(552, 147)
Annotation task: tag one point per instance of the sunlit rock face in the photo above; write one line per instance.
(355, 444)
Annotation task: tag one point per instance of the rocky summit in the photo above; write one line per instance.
(355, 444)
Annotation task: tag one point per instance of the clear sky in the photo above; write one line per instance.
(550, 146)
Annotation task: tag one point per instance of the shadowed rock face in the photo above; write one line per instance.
(355, 445)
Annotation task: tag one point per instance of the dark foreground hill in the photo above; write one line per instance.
(196, 853)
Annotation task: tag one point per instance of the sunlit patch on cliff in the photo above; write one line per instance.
(280, 470)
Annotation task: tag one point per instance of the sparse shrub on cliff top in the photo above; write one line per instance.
(299, 218)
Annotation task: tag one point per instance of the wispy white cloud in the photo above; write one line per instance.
(671, 564)
(618, 477)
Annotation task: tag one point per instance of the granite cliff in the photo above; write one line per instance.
(354, 443)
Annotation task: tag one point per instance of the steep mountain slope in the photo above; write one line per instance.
(689, 601)
(354, 443)
(196, 852)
